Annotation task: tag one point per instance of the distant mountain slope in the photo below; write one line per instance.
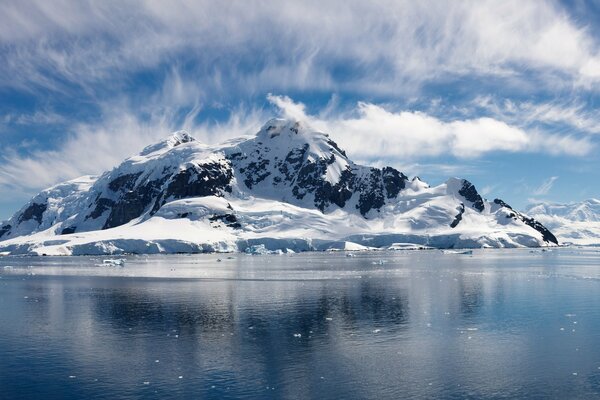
(285, 187)
(577, 223)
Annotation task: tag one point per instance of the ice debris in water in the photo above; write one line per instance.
(119, 262)
(297, 335)
(377, 331)
(457, 251)
(258, 249)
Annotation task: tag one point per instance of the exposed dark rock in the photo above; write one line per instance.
(34, 211)
(5, 229)
(394, 181)
(335, 146)
(210, 179)
(458, 218)
(69, 230)
(229, 220)
(124, 182)
(469, 192)
(371, 192)
(102, 205)
(292, 163)
(337, 194)
(256, 173)
(546, 234)
(309, 178)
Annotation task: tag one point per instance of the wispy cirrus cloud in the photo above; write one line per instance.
(380, 46)
(571, 113)
(545, 187)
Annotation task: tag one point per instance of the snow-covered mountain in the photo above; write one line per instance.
(287, 187)
(577, 223)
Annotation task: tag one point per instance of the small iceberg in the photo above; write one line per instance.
(118, 262)
(457, 251)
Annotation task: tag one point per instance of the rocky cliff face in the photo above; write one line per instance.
(285, 162)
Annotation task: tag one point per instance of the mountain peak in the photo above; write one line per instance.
(289, 181)
(174, 140)
(280, 127)
(180, 137)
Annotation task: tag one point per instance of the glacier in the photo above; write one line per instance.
(576, 223)
(286, 188)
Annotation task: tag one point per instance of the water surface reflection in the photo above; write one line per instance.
(380, 325)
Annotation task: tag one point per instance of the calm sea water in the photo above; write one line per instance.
(423, 324)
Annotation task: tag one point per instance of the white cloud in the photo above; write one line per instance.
(571, 113)
(386, 46)
(413, 135)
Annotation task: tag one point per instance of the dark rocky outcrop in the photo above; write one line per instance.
(134, 198)
(5, 229)
(102, 205)
(546, 234)
(469, 192)
(210, 179)
(124, 182)
(256, 173)
(229, 220)
(371, 192)
(35, 211)
(69, 230)
(394, 181)
(458, 218)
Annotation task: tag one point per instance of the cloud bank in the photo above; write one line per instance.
(376, 47)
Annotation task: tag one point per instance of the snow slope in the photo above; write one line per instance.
(288, 188)
(576, 223)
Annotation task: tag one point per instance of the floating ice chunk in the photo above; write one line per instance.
(377, 331)
(180, 377)
(328, 319)
(350, 255)
(72, 376)
(258, 249)
(119, 262)
(457, 251)
(297, 335)
(146, 382)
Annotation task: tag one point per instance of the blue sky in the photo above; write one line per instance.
(502, 93)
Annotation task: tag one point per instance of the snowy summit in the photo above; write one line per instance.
(287, 188)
